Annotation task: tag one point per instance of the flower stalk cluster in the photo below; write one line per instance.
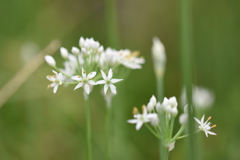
(162, 126)
(81, 68)
(91, 58)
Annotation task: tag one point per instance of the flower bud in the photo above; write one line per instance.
(50, 60)
(75, 50)
(159, 57)
(64, 52)
(183, 118)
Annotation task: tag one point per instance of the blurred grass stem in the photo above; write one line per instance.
(29, 68)
(88, 128)
(186, 55)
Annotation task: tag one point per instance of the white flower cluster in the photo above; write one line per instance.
(161, 116)
(92, 57)
(150, 113)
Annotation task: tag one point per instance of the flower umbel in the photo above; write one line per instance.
(56, 80)
(85, 80)
(205, 126)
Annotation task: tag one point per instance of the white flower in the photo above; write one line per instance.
(130, 59)
(56, 80)
(64, 52)
(141, 118)
(108, 81)
(205, 126)
(152, 103)
(183, 118)
(202, 97)
(50, 60)
(85, 81)
(170, 105)
(159, 57)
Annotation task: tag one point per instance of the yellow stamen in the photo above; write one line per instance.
(214, 125)
(84, 71)
(209, 118)
(49, 76)
(49, 86)
(143, 107)
(135, 110)
(136, 53)
(79, 76)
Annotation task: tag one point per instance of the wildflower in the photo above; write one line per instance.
(205, 126)
(64, 52)
(202, 97)
(131, 60)
(75, 51)
(183, 118)
(140, 119)
(56, 80)
(50, 60)
(152, 103)
(108, 81)
(170, 105)
(85, 80)
(159, 57)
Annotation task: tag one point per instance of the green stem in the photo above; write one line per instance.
(152, 131)
(178, 133)
(107, 133)
(88, 128)
(160, 90)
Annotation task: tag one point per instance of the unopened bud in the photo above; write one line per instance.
(159, 57)
(50, 60)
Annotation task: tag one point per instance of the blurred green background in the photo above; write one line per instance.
(36, 124)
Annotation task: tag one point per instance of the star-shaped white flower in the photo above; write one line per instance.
(205, 126)
(140, 119)
(56, 80)
(85, 80)
(108, 81)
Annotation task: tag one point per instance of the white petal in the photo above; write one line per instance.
(55, 88)
(91, 82)
(78, 85)
(91, 75)
(110, 73)
(105, 88)
(101, 82)
(103, 75)
(133, 121)
(87, 89)
(77, 78)
(202, 120)
(115, 80)
(113, 88)
(211, 133)
(139, 125)
(197, 121)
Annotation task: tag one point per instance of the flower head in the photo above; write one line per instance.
(56, 80)
(170, 105)
(142, 118)
(108, 81)
(205, 126)
(85, 80)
